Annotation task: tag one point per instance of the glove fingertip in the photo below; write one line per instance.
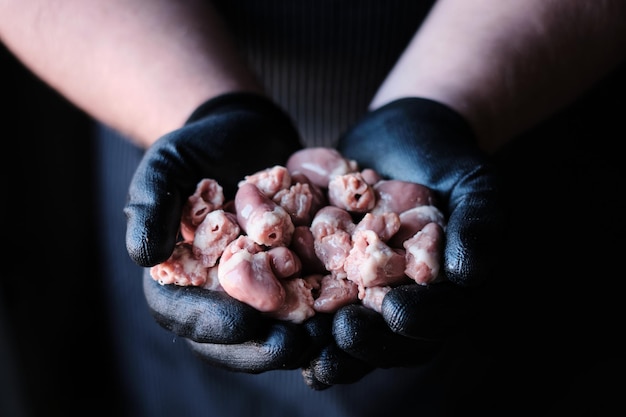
(425, 312)
(145, 252)
(202, 315)
(473, 247)
(318, 329)
(312, 382)
(150, 238)
(346, 320)
(334, 366)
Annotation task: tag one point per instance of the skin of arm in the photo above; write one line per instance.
(140, 66)
(505, 65)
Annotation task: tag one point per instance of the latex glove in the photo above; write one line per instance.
(225, 139)
(422, 141)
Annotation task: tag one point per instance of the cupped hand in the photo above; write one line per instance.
(226, 138)
(422, 141)
(225, 332)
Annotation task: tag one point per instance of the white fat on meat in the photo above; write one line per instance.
(423, 254)
(181, 268)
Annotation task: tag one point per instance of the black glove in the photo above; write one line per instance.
(225, 139)
(422, 141)
(225, 332)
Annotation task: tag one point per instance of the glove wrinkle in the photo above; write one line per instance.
(416, 132)
(364, 334)
(283, 348)
(333, 366)
(419, 140)
(226, 138)
(430, 313)
(201, 315)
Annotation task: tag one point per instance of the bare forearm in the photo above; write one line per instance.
(507, 64)
(139, 66)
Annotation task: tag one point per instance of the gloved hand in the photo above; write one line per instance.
(422, 141)
(225, 332)
(225, 139)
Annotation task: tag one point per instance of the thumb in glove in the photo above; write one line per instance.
(225, 139)
(423, 141)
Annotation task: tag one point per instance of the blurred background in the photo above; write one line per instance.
(550, 330)
(54, 354)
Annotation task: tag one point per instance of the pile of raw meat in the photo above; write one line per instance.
(311, 236)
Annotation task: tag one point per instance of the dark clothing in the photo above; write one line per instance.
(547, 340)
(163, 378)
(323, 66)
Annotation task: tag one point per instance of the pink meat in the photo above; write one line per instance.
(399, 196)
(414, 220)
(423, 254)
(216, 231)
(332, 232)
(181, 268)
(284, 262)
(288, 244)
(370, 176)
(299, 201)
(263, 220)
(333, 250)
(320, 164)
(207, 197)
(270, 180)
(334, 293)
(303, 245)
(302, 199)
(213, 281)
(298, 305)
(351, 192)
(372, 263)
(314, 281)
(245, 272)
(385, 225)
(329, 219)
(372, 297)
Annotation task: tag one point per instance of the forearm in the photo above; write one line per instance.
(507, 64)
(140, 66)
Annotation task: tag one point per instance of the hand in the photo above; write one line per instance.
(422, 141)
(225, 332)
(225, 139)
